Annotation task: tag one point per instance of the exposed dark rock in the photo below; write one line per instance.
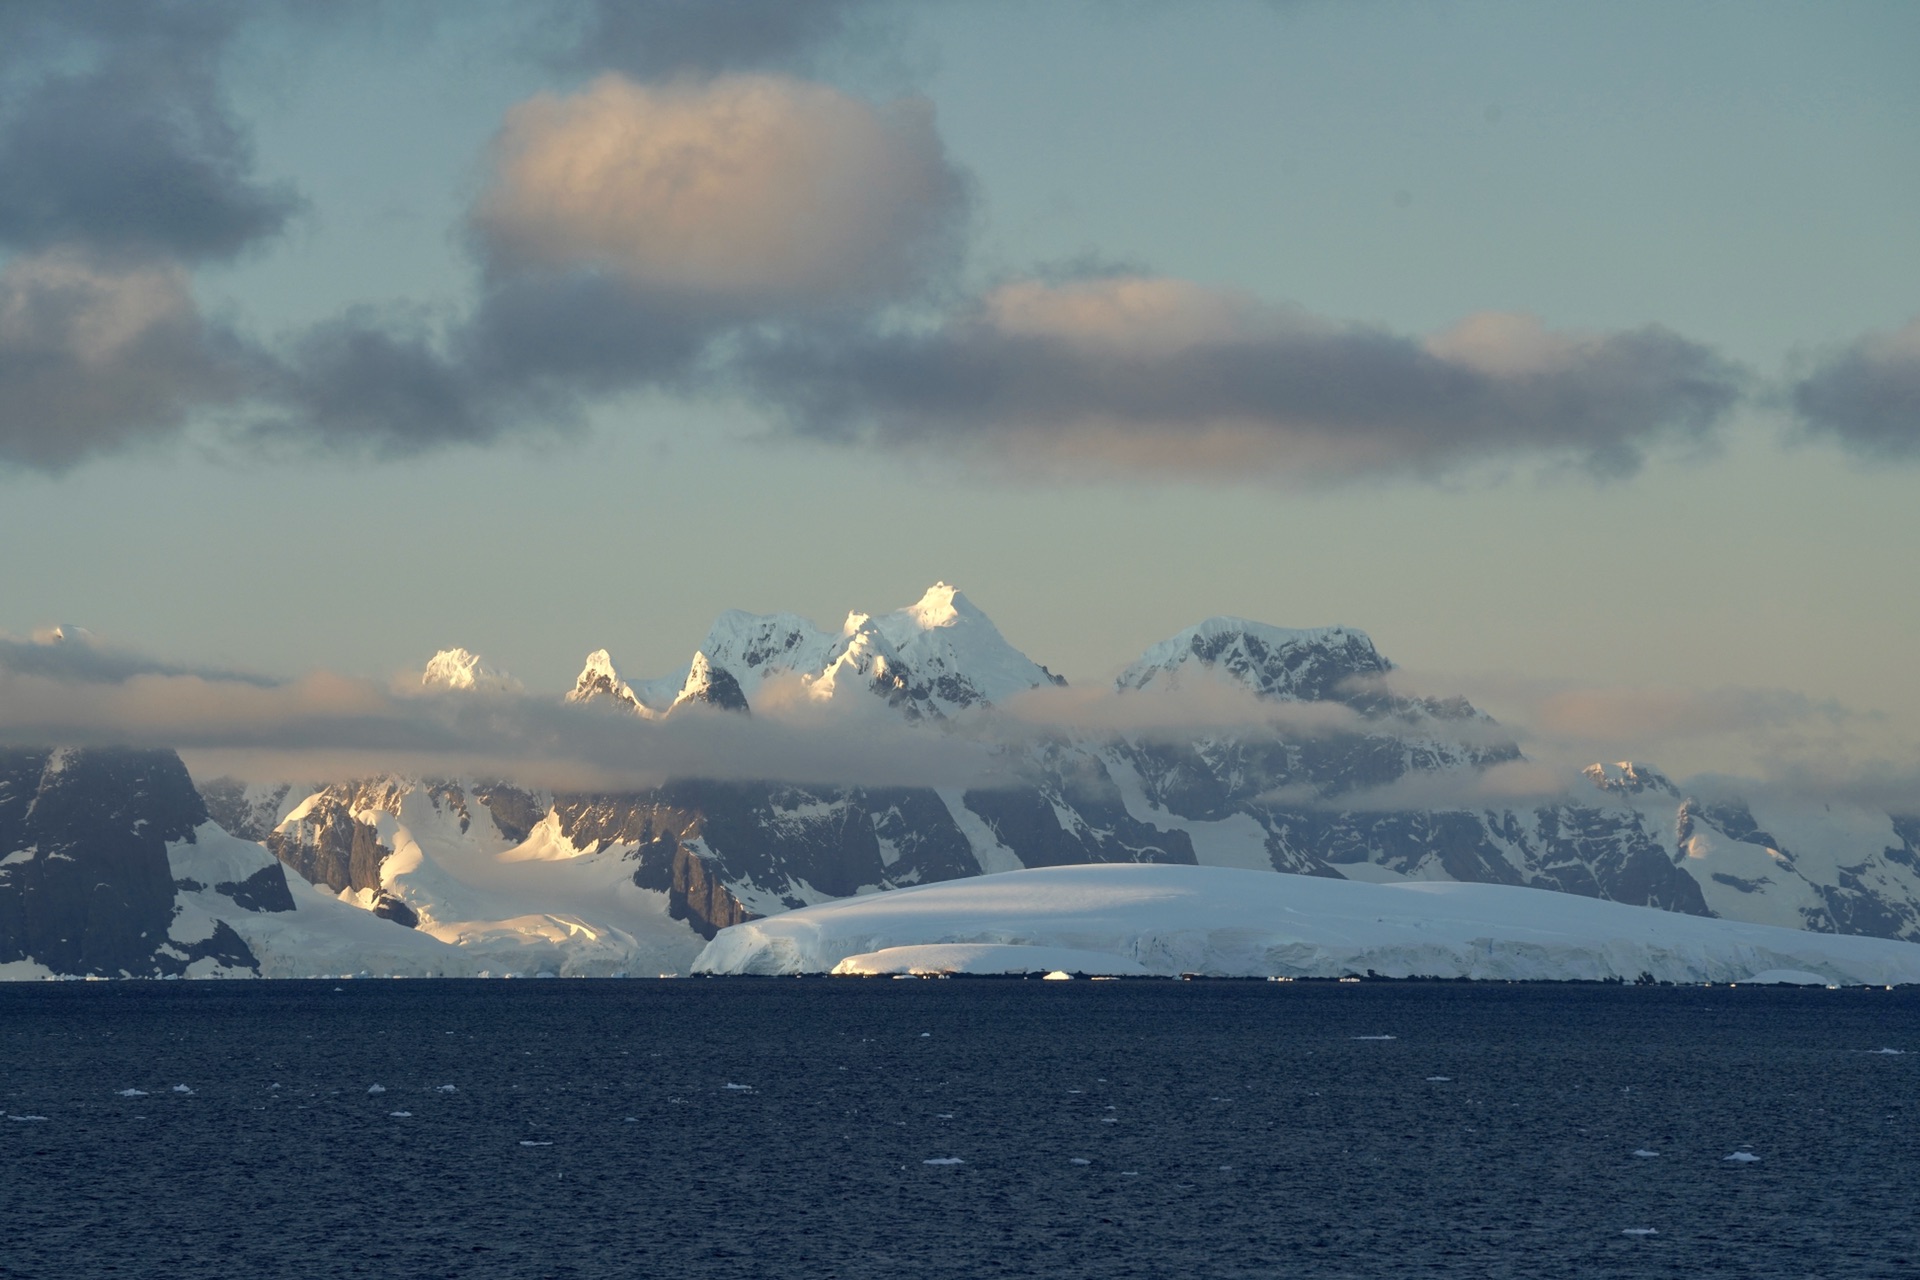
(228, 805)
(87, 888)
(264, 890)
(327, 845)
(388, 907)
(515, 812)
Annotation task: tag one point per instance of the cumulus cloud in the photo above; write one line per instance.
(624, 230)
(728, 229)
(114, 132)
(1142, 372)
(1867, 396)
(97, 355)
(761, 191)
(649, 38)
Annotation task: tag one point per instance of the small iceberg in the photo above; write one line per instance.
(1741, 1157)
(1640, 1231)
(1439, 1079)
(447, 1088)
(27, 1119)
(1375, 1037)
(131, 1093)
(180, 1088)
(376, 1088)
(1079, 1160)
(944, 1160)
(738, 1088)
(1644, 1154)
(1895, 1052)
(401, 1115)
(528, 1142)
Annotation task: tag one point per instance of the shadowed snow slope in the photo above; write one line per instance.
(1181, 919)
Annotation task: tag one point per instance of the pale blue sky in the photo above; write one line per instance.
(1746, 175)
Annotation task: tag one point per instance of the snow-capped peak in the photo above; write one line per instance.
(710, 685)
(64, 633)
(756, 646)
(952, 654)
(459, 669)
(941, 606)
(598, 679)
(1629, 778)
(1308, 665)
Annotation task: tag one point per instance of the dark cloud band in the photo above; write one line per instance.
(1867, 396)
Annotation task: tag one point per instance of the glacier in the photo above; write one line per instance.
(1224, 922)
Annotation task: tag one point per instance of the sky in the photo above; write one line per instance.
(1572, 351)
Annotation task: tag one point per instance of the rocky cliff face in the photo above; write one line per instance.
(86, 885)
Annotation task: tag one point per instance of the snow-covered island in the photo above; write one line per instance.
(1132, 919)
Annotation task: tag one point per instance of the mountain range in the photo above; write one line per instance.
(1232, 744)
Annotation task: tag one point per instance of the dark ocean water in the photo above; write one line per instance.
(785, 1128)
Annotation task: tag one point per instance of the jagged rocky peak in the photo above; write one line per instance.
(1313, 665)
(1625, 777)
(710, 685)
(459, 669)
(598, 679)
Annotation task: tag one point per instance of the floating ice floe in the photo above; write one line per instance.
(1376, 1037)
(1439, 1079)
(401, 1115)
(180, 1088)
(447, 1088)
(1078, 1160)
(944, 1160)
(1640, 1231)
(1742, 1157)
(376, 1088)
(1645, 1154)
(738, 1088)
(528, 1142)
(631, 1120)
(1892, 1051)
(131, 1093)
(27, 1119)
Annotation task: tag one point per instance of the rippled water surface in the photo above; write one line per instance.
(822, 1127)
